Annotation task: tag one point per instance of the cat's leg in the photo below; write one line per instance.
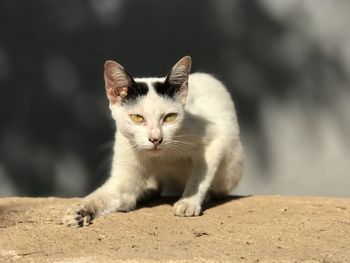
(229, 172)
(198, 184)
(119, 193)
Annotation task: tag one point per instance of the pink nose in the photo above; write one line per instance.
(156, 141)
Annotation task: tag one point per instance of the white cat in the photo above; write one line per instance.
(179, 134)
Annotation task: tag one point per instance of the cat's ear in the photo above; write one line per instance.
(178, 77)
(117, 81)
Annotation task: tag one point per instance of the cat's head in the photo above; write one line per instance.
(148, 111)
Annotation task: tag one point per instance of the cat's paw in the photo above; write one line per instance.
(78, 216)
(187, 208)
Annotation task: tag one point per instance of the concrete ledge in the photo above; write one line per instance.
(247, 229)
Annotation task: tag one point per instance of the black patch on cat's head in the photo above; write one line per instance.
(135, 91)
(165, 89)
(176, 82)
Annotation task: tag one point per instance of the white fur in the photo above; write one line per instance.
(201, 152)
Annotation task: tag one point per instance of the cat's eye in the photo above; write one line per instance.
(137, 118)
(170, 117)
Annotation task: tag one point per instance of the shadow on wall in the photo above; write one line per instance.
(287, 66)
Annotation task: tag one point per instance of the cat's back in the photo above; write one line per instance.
(209, 98)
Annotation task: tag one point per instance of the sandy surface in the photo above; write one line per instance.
(249, 229)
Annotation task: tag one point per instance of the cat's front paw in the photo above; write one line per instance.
(78, 216)
(186, 207)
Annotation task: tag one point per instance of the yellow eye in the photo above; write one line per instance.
(170, 117)
(137, 118)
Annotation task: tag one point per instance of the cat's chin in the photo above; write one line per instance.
(155, 151)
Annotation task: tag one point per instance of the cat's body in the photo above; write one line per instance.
(177, 134)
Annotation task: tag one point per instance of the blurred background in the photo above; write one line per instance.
(285, 62)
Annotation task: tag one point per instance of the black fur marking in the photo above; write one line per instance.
(166, 89)
(135, 91)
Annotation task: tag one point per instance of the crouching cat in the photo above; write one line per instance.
(175, 134)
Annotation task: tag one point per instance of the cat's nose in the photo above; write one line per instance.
(156, 141)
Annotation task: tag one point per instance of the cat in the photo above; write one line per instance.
(177, 134)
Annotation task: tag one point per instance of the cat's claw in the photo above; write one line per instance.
(187, 208)
(77, 216)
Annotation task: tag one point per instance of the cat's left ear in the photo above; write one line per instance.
(178, 77)
(117, 81)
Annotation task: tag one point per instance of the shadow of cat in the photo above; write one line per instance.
(215, 202)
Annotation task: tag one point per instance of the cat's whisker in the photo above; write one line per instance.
(194, 138)
(183, 143)
(181, 147)
(176, 151)
(187, 135)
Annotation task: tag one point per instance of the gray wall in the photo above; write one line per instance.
(286, 63)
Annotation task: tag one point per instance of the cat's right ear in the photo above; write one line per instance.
(178, 78)
(117, 82)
